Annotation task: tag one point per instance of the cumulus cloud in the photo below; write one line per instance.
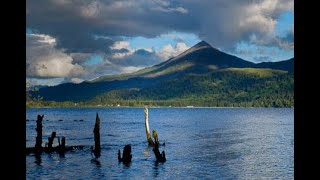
(285, 42)
(125, 59)
(121, 49)
(44, 60)
(76, 80)
(169, 51)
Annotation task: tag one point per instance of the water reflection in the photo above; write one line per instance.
(61, 155)
(38, 159)
(96, 162)
(158, 166)
(146, 152)
(126, 166)
(156, 169)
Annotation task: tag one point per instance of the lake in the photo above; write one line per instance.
(204, 143)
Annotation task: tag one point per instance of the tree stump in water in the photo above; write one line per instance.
(160, 157)
(126, 155)
(50, 141)
(146, 123)
(38, 145)
(62, 147)
(96, 132)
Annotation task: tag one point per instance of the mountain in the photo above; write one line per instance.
(200, 58)
(201, 62)
(287, 65)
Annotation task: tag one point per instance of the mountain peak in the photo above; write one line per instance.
(202, 44)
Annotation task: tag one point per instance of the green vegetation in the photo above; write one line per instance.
(231, 87)
(171, 69)
(266, 72)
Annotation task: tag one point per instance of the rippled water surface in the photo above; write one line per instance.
(206, 143)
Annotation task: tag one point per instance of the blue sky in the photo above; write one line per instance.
(81, 40)
(285, 23)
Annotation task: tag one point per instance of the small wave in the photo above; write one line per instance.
(112, 135)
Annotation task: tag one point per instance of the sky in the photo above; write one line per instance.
(74, 41)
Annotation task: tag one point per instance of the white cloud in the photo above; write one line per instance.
(169, 51)
(57, 64)
(120, 45)
(129, 69)
(42, 38)
(170, 10)
(76, 80)
(261, 17)
(44, 60)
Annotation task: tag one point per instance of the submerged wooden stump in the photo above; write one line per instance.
(160, 157)
(62, 146)
(38, 149)
(38, 145)
(50, 140)
(96, 132)
(126, 154)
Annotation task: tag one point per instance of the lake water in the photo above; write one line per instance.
(204, 143)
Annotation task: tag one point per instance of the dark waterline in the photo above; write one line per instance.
(210, 143)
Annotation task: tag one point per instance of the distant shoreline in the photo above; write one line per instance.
(196, 107)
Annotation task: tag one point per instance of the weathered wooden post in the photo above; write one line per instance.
(63, 142)
(62, 146)
(50, 141)
(126, 155)
(160, 157)
(146, 123)
(96, 131)
(38, 145)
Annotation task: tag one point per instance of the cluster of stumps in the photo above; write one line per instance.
(96, 149)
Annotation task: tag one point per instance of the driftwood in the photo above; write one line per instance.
(96, 132)
(126, 155)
